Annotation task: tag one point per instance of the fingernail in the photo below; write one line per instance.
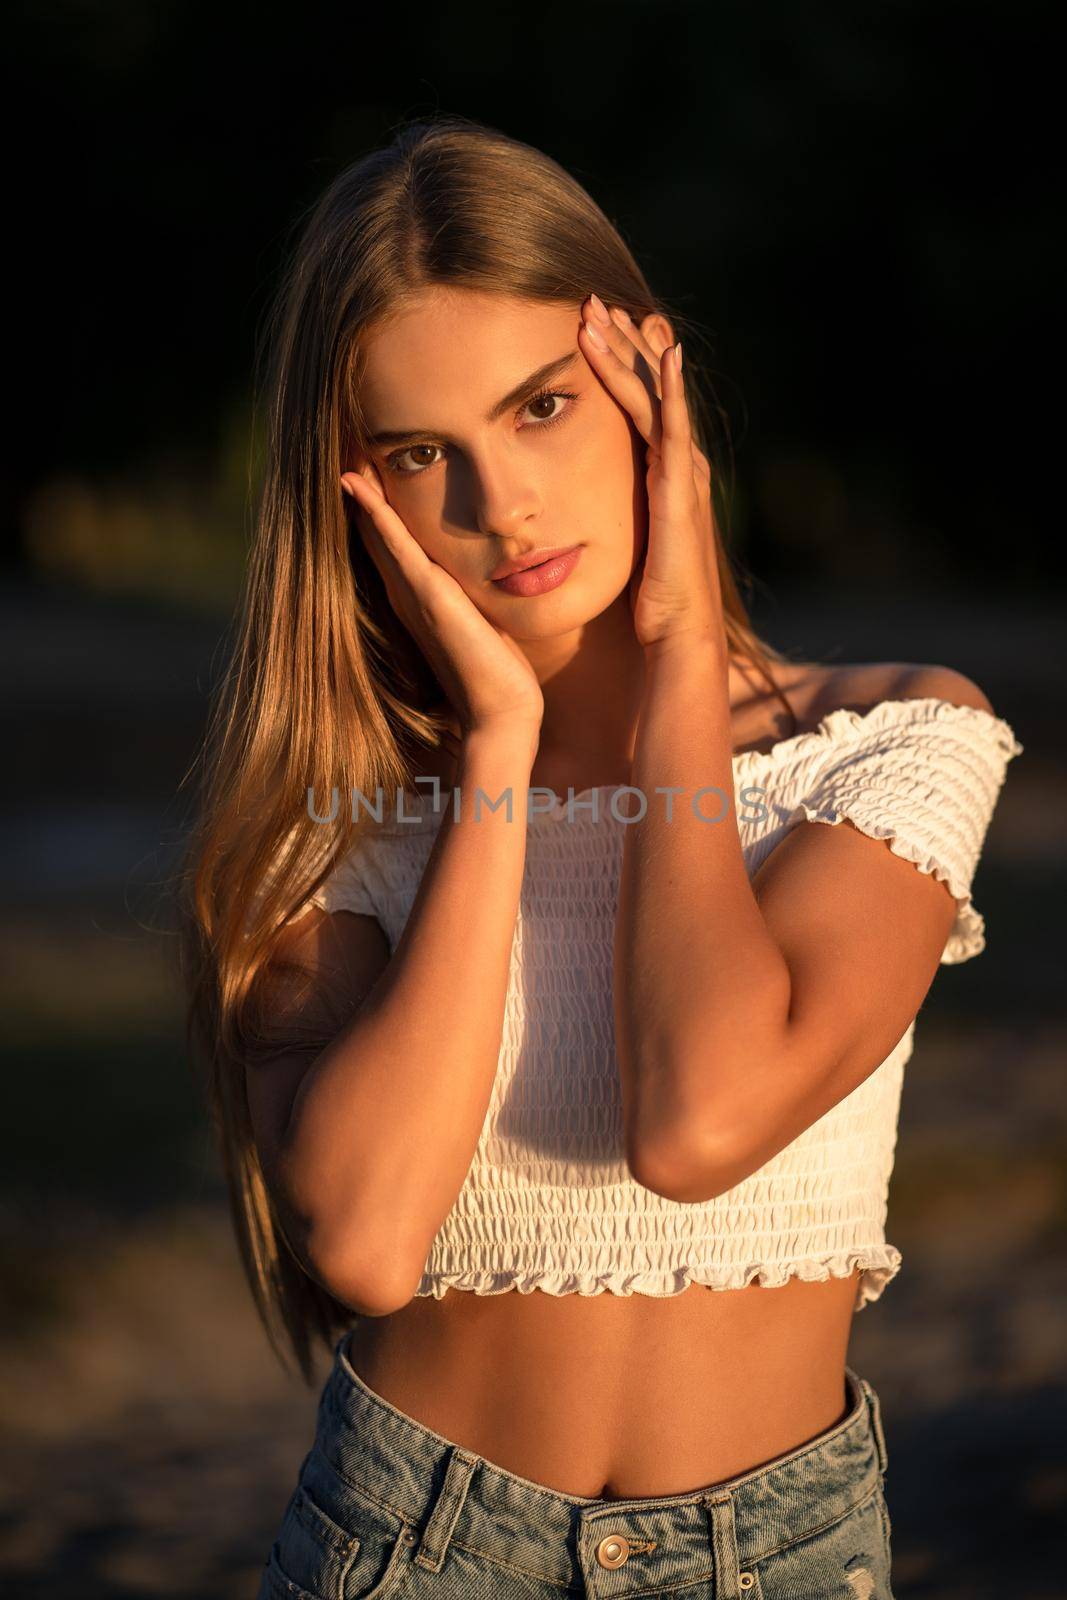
(622, 316)
(596, 305)
(678, 356)
(596, 336)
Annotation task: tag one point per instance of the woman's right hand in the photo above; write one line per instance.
(485, 675)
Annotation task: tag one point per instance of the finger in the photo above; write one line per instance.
(625, 371)
(377, 550)
(370, 474)
(395, 537)
(677, 434)
(357, 489)
(652, 345)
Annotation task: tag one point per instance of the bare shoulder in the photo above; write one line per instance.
(942, 683)
(862, 686)
(814, 689)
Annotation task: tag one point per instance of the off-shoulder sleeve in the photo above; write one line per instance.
(924, 775)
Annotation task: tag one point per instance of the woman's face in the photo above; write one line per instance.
(486, 458)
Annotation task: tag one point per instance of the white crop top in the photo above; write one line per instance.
(548, 1202)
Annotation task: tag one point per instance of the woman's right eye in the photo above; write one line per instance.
(411, 450)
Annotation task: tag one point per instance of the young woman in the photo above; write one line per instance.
(556, 1049)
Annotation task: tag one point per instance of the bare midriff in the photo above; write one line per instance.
(618, 1396)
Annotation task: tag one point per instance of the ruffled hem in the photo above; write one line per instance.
(880, 1264)
(967, 937)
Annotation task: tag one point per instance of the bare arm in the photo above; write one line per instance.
(745, 1010)
(750, 1009)
(698, 976)
(384, 1124)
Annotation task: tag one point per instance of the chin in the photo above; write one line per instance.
(568, 616)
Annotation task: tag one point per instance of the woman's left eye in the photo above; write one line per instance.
(551, 394)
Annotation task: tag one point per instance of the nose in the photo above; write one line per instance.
(506, 497)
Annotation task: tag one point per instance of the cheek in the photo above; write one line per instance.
(604, 467)
(421, 515)
(458, 557)
(621, 478)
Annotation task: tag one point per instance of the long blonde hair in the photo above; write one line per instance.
(325, 688)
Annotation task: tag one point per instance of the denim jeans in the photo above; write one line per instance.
(384, 1507)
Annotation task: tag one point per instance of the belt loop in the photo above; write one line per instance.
(875, 1410)
(720, 1510)
(433, 1546)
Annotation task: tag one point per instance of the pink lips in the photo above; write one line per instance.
(538, 580)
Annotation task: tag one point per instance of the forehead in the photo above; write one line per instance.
(449, 348)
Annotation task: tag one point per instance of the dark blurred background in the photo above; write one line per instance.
(857, 205)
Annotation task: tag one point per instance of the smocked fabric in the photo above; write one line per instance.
(548, 1202)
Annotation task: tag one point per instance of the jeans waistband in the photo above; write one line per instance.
(446, 1492)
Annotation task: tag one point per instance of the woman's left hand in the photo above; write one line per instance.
(675, 589)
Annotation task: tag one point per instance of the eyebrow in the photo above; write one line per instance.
(545, 374)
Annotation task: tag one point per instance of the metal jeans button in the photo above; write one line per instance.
(613, 1551)
(746, 1580)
